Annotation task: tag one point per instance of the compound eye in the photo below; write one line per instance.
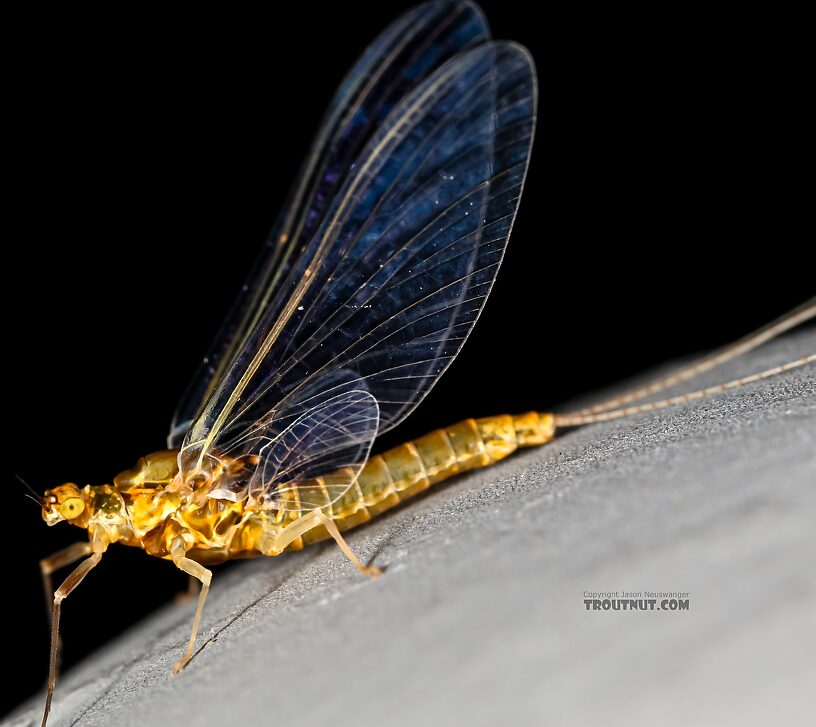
(72, 508)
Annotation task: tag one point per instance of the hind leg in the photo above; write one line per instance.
(311, 520)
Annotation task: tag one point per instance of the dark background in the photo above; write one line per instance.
(665, 214)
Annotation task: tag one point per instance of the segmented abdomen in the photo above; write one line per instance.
(393, 476)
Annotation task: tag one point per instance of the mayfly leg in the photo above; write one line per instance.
(196, 570)
(52, 563)
(314, 519)
(58, 560)
(68, 585)
(188, 593)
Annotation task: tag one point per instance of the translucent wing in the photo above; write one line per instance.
(335, 436)
(403, 56)
(311, 433)
(391, 283)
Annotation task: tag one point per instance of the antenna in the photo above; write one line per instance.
(33, 493)
(28, 487)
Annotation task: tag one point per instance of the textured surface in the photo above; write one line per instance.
(479, 618)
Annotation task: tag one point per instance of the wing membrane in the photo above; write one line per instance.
(401, 58)
(311, 435)
(391, 283)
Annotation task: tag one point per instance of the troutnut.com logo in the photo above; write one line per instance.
(636, 600)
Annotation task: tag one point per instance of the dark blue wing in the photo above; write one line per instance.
(392, 281)
(401, 58)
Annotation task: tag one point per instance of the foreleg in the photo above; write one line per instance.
(68, 585)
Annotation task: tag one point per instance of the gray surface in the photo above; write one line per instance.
(479, 618)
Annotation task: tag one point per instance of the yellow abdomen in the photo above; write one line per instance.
(404, 471)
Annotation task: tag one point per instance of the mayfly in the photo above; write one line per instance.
(367, 288)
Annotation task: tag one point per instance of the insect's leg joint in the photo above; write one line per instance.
(58, 560)
(68, 585)
(370, 570)
(191, 567)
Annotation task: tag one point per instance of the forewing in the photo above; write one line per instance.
(401, 58)
(392, 282)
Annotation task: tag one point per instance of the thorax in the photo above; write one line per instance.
(149, 510)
